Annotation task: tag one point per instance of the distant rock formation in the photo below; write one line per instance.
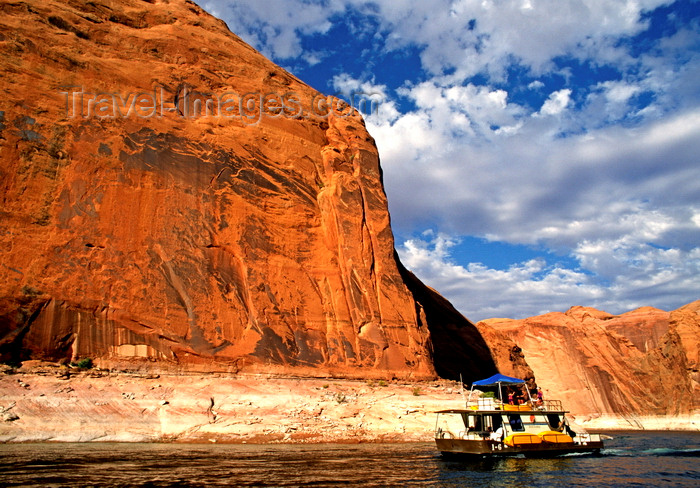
(640, 363)
(171, 198)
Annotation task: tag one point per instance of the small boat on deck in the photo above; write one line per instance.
(488, 426)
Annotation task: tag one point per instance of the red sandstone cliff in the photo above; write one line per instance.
(641, 363)
(170, 196)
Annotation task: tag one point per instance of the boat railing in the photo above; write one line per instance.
(552, 405)
(473, 435)
(487, 403)
(581, 438)
(585, 438)
(484, 403)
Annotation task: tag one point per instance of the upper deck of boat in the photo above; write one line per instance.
(490, 405)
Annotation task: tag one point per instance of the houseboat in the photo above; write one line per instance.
(490, 426)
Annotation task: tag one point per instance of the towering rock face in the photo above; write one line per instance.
(170, 196)
(460, 347)
(641, 363)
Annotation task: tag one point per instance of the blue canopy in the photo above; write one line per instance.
(498, 378)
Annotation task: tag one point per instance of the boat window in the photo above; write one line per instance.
(553, 420)
(494, 421)
(472, 422)
(468, 421)
(516, 423)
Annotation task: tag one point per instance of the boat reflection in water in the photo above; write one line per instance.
(488, 426)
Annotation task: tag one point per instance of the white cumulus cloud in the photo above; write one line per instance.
(556, 103)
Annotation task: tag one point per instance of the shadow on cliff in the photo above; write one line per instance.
(458, 347)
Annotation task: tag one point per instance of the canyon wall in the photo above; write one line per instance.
(643, 363)
(171, 198)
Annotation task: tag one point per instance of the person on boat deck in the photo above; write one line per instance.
(516, 397)
(523, 396)
(564, 427)
(540, 397)
(510, 397)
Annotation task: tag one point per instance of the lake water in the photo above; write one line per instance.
(631, 459)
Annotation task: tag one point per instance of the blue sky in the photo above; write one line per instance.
(537, 154)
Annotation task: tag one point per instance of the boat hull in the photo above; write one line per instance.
(463, 447)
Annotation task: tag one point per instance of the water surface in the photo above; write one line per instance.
(630, 459)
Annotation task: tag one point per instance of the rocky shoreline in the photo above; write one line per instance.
(62, 405)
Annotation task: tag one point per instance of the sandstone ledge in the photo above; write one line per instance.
(639, 422)
(135, 407)
(48, 406)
